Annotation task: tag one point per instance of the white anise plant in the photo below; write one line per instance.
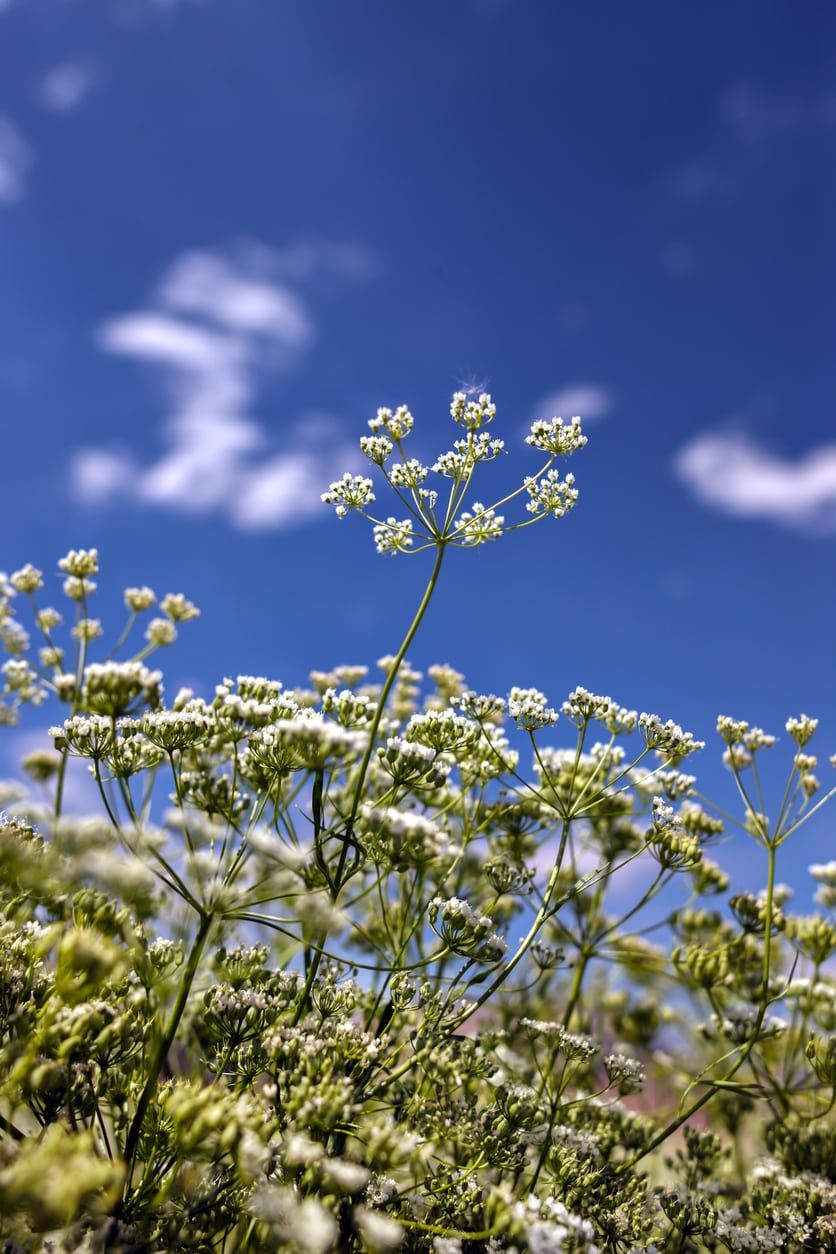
(356, 967)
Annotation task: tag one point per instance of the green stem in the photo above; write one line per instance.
(347, 839)
(164, 1044)
(750, 1044)
(532, 933)
(59, 786)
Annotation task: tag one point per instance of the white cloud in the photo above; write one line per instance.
(678, 259)
(215, 330)
(15, 161)
(753, 127)
(574, 315)
(753, 115)
(80, 794)
(588, 400)
(65, 86)
(738, 476)
(307, 258)
(204, 284)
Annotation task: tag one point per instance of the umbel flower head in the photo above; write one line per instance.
(444, 515)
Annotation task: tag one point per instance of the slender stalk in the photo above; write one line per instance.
(347, 835)
(164, 1044)
(714, 1087)
(381, 704)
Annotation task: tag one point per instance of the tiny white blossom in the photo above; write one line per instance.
(551, 494)
(161, 631)
(408, 474)
(377, 448)
(178, 609)
(139, 599)
(802, 729)
(350, 492)
(530, 710)
(80, 562)
(478, 525)
(393, 536)
(397, 424)
(553, 436)
(28, 579)
(472, 412)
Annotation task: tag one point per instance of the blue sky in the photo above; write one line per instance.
(231, 229)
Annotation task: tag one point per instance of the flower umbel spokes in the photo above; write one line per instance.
(443, 514)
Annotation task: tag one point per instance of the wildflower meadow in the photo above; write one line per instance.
(351, 967)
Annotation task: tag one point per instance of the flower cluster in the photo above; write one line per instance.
(352, 966)
(465, 931)
(461, 523)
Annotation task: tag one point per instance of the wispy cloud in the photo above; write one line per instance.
(15, 162)
(678, 259)
(64, 87)
(588, 400)
(752, 127)
(752, 115)
(80, 793)
(733, 473)
(216, 330)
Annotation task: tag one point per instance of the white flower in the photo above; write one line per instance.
(178, 609)
(668, 738)
(397, 424)
(627, 1074)
(479, 525)
(176, 729)
(28, 579)
(161, 631)
(77, 589)
(465, 931)
(22, 681)
(346, 1176)
(351, 709)
(582, 705)
(408, 839)
(380, 1232)
(376, 447)
(408, 474)
(80, 562)
(139, 599)
(802, 728)
(305, 740)
(299, 1224)
(408, 762)
(14, 637)
(87, 735)
(471, 412)
(442, 730)
(393, 536)
(482, 706)
(551, 494)
(529, 709)
(47, 618)
(350, 492)
(552, 436)
(459, 462)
